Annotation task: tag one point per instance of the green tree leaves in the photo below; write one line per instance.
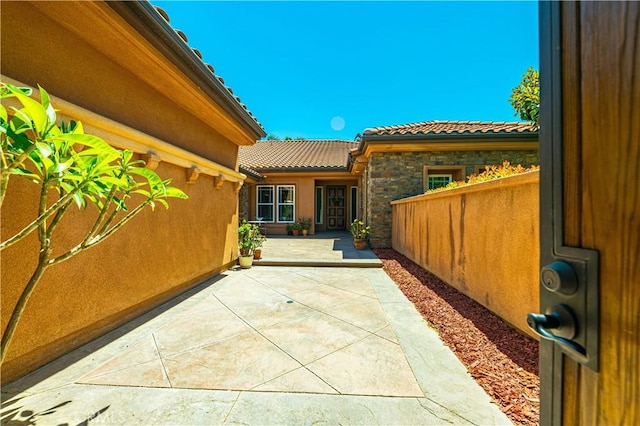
(525, 97)
(70, 167)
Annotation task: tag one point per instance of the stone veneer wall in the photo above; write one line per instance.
(395, 175)
(243, 203)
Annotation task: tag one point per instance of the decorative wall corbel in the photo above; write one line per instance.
(192, 175)
(237, 185)
(218, 181)
(151, 161)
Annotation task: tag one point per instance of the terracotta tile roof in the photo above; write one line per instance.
(296, 154)
(197, 53)
(437, 127)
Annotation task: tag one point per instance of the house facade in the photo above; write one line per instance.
(395, 162)
(299, 179)
(334, 182)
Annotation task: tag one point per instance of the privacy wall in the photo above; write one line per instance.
(482, 239)
(154, 257)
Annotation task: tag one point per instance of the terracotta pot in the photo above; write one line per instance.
(296, 232)
(360, 243)
(257, 254)
(245, 261)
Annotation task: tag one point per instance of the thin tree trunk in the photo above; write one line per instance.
(8, 333)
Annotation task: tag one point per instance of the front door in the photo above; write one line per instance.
(590, 213)
(336, 210)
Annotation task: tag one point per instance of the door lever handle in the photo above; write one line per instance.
(560, 319)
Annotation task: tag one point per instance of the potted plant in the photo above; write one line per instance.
(305, 224)
(247, 243)
(360, 232)
(258, 240)
(289, 229)
(295, 228)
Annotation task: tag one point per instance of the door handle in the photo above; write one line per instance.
(558, 325)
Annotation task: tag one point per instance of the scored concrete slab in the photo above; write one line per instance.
(249, 378)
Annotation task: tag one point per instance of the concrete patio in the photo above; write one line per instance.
(267, 345)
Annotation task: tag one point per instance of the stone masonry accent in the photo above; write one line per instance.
(243, 203)
(395, 175)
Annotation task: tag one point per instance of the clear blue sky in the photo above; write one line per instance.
(299, 65)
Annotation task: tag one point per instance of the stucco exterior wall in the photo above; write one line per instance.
(154, 257)
(395, 175)
(482, 239)
(98, 66)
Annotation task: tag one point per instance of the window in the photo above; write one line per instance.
(319, 205)
(286, 203)
(439, 176)
(438, 181)
(264, 208)
(354, 204)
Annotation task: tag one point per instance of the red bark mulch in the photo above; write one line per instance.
(502, 360)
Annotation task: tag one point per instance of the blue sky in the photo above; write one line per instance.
(302, 66)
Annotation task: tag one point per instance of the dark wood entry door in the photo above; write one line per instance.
(336, 207)
(590, 202)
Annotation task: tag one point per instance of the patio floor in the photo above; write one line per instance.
(266, 345)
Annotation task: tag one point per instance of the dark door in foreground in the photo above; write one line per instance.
(336, 207)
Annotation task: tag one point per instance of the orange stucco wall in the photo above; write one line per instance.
(482, 239)
(155, 256)
(158, 254)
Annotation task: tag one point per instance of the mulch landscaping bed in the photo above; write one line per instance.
(502, 360)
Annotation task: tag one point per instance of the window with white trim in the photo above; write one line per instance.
(265, 203)
(440, 175)
(286, 205)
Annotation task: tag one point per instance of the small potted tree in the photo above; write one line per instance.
(258, 240)
(359, 232)
(247, 233)
(305, 224)
(295, 228)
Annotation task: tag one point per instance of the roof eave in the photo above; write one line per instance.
(251, 173)
(143, 17)
(430, 137)
(266, 170)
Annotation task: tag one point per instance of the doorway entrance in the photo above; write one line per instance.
(336, 211)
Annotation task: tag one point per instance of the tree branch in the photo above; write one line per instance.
(68, 197)
(101, 237)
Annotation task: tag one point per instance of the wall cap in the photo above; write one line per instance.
(531, 177)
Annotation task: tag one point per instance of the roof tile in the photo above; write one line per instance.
(296, 154)
(451, 127)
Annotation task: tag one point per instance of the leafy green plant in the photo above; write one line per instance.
(359, 230)
(305, 223)
(249, 238)
(489, 173)
(70, 167)
(525, 97)
(296, 226)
